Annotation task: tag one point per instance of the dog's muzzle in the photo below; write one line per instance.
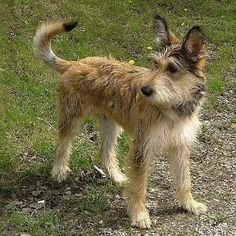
(147, 91)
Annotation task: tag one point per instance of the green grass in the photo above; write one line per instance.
(47, 223)
(28, 88)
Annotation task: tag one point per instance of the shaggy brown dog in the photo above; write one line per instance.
(159, 107)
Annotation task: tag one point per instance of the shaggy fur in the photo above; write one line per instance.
(159, 107)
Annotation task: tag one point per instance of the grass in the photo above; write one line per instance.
(47, 223)
(28, 88)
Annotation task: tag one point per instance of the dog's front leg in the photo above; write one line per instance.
(137, 172)
(179, 159)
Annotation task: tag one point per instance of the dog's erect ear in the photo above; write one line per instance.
(193, 45)
(164, 36)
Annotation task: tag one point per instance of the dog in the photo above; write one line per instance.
(158, 106)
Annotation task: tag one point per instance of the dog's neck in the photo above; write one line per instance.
(187, 109)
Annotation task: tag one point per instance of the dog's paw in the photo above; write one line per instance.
(60, 172)
(119, 178)
(194, 207)
(116, 175)
(141, 220)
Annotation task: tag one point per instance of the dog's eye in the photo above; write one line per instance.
(172, 69)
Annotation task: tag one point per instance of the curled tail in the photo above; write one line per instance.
(42, 43)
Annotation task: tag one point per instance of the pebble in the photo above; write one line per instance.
(26, 210)
(36, 193)
(37, 206)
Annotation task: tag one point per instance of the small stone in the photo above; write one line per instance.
(26, 210)
(66, 198)
(37, 206)
(78, 195)
(36, 193)
(77, 179)
(41, 202)
(144, 234)
(33, 158)
(152, 190)
(68, 192)
(9, 206)
(207, 122)
(17, 203)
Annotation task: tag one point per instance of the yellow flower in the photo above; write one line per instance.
(149, 48)
(131, 62)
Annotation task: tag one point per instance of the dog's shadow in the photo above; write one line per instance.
(73, 199)
(167, 211)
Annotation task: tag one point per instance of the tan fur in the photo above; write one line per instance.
(166, 121)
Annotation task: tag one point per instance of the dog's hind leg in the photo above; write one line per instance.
(69, 118)
(179, 160)
(110, 131)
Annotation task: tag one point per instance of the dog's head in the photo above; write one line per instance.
(176, 79)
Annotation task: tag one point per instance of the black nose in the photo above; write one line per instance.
(147, 91)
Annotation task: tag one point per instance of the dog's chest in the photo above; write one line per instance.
(181, 132)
